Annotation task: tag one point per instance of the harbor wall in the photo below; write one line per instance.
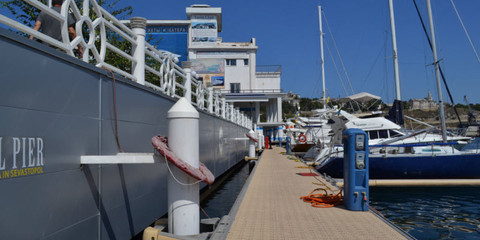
(54, 109)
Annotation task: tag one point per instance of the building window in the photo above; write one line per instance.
(234, 87)
(245, 62)
(231, 62)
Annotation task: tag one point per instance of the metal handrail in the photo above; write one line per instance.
(171, 76)
(254, 91)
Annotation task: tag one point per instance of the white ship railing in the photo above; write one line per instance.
(154, 68)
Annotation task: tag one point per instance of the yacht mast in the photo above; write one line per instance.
(437, 73)
(321, 57)
(395, 56)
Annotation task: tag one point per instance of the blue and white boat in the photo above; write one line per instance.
(397, 154)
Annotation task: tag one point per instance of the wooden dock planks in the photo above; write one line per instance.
(272, 208)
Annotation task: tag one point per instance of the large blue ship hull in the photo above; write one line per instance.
(413, 167)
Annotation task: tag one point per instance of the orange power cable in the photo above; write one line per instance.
(323, 200)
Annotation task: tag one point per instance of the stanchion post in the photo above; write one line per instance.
(210, 99)
(138, 25)
(187, 67)
(223, 108)
(288, 144)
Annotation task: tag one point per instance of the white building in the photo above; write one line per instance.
(426, 104)
(244, 84)
(229, 67)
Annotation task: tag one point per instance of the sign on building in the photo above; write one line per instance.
(210, 71)
(170, 38)
(204, 30)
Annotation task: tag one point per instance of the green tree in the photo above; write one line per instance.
(27, 14)
(288, 110)
(307, 104)
(23, 12)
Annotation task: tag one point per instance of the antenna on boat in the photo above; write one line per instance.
(437, 73)
(395, 55)
(321, 57)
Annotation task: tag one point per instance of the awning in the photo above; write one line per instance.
(362, 97)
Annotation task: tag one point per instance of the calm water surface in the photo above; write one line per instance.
(431, 213)
(219, 203)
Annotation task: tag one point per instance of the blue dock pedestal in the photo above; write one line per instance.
(280, 135)
(355, 170)
(288, 145)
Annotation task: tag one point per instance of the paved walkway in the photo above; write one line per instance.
(272, 208)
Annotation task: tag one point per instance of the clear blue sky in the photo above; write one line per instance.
(287, 34)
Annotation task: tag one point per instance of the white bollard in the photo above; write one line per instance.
(183, 197)
(262, 139)
(251, 147)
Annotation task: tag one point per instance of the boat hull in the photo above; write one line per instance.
(466, 166)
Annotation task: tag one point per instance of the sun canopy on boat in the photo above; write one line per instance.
(362, 97)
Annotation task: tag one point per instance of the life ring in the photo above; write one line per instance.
(302, 138)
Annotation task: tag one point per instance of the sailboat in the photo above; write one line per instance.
(315, 130)
(398, 155)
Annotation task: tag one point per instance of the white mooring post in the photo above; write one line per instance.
(262, 138)
(183, 190)
(138, 25)
(251, 147)
(187, 67)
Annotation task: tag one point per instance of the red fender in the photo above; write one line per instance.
(251, 137)
(201, 173)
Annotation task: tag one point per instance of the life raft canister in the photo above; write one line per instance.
(302, 138)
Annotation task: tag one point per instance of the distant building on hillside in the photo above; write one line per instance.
(427, 104)
(293, 99)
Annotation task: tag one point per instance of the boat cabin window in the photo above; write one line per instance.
(431, 150)
(377, 134)
(383, 134)
(394, 133)
(373, 134)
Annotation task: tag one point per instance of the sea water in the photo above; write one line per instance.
(431, 213)
(221, 201)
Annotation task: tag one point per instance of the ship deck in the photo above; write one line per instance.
(271, 207)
